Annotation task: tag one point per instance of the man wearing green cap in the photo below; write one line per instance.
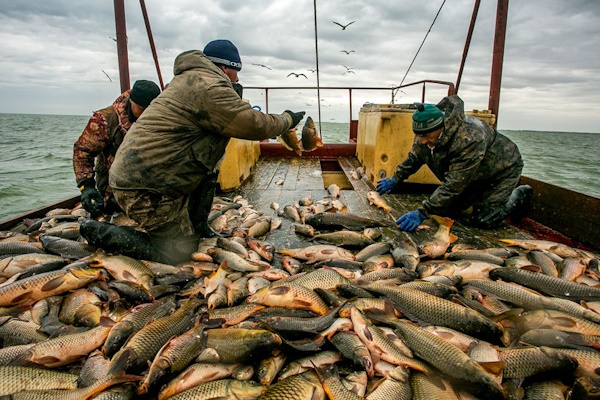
(477, 165)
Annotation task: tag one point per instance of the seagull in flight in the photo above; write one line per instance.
(347, 52)
(312, 70)
(343, 26)
(262, 65)
(297, 75)
(348, 70)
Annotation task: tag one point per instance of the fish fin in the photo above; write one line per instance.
(279, 290)
(452, 238)
(106, 321)
(22, 360)
(284, 144)
(493, 367)
(532, 268)
(46, 360)
(20, 298)
(53, 284)
(512, 313)
(565, 322)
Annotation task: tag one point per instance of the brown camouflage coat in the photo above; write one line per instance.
(470, 156)
(94, 151)
(180, 138)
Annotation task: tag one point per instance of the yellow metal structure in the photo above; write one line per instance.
(385, 137)
(240, 157)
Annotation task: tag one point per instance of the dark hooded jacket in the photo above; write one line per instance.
(182, 135)
(468, 154)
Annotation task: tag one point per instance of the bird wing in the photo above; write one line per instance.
(291, 73)
(302, 75)
(349, 24)
(337, 23)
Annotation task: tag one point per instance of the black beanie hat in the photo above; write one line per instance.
(143, 92)
(223, 52)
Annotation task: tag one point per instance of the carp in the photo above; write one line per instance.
(376, 200)
(310, 136)
(290, 141)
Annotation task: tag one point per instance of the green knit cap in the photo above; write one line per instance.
(426, 119)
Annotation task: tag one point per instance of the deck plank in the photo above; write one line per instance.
(303, 177)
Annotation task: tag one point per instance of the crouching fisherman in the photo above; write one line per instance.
(165, 173)
(94, 151)
(477, 165)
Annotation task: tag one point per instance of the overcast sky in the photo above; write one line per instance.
(55, 53)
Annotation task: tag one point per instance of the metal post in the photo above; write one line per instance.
(121, 27)
(151, 40)
(498, 58)
(467, 44)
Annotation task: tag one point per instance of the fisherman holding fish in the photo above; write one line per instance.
(165, 173)
(100, 140)
(477, 165)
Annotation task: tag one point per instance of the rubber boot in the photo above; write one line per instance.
(119, 239)
(519, 203)
(200, 203)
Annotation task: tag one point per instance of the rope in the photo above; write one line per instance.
(422, 43)
(317, 61)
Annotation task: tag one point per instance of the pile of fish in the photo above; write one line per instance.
(360, 311)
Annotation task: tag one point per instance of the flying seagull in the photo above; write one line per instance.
(343, 26)
(348, 70)
(262, 65)
(347, 52)
(297, 75)
(312, 70)
(107, 75)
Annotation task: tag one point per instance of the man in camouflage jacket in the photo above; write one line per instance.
(477, 166)
(164, 173)
(94, 151)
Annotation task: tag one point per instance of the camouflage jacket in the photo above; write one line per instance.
(182, 135)
(469, 152)
(99, 141)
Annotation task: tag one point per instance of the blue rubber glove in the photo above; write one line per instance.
(409, 221)
(386, 185)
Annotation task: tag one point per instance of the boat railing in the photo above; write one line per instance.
(339, 149)
(353, 124)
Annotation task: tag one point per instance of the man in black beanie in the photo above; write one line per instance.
(99, 143)
(165, 173)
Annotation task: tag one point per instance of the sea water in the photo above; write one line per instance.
(36, 153)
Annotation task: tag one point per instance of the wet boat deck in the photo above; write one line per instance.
(286, 180)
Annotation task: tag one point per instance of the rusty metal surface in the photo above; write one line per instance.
(573, 214)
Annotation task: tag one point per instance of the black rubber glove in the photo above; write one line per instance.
(296, 117)
(91, 199)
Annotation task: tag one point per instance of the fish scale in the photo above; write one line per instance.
(221, 389)
(148, 341)
(65, 349)
(195, 375)
(134, 321)
(394, 386)
(447, 358)
(17, 378)
(437, 311)
(523, 363)
(547, 284)
(304, 386)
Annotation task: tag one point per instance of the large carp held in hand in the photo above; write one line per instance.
(309, 302)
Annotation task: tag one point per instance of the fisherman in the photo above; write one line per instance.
(100, 140)
(165, 173)
(477, 165)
